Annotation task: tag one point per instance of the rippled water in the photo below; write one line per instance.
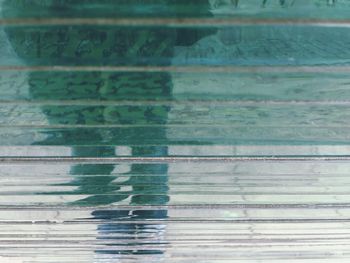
(185, 131)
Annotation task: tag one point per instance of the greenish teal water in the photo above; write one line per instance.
(316, 9)
(212, 87)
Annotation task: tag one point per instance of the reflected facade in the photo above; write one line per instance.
(243, 105)
(145, 184)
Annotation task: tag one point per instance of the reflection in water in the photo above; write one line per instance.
(146, 184)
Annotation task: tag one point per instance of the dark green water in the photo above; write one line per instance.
(130, 46)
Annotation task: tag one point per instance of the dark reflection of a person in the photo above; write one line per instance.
(98, 45)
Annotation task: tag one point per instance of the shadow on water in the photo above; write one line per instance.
(145, 184)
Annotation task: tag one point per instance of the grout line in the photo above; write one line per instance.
(184, 69)
(180, 207)
(170, 22)
(173, 159)
(184, 102)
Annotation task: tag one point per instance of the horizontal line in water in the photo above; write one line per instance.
(172, 22)
(170, 220)
(184, 69)
(184, 125)
(177, 207)
(185, 102)
(169, 159)
(191, 192)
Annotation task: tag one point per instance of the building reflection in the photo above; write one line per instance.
(126, 231)
(142, 185)
(121, 231)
